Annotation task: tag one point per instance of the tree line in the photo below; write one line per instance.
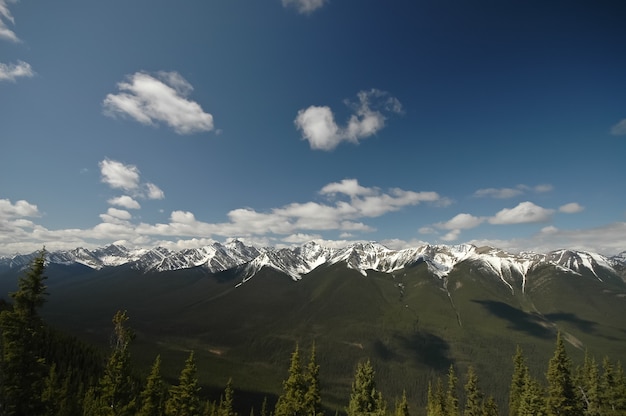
(43, 372)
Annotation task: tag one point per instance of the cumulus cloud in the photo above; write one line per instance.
(317, 123)
(127, 177)
(461, 221)
(21, 208)
(505, 193)
(6, 16)
(150, 99)
(571, 208)
(118, 175)
(11, 72)
(304, 6)
(619, 129)
(524, 212)
(124, 201)
(116, 216)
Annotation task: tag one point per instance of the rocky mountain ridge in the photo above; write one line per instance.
(362, 257)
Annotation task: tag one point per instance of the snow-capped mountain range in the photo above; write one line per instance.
(363, 257)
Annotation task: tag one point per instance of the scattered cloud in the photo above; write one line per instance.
(571, 208)
(317, 123)
(304, 6)
(127, 177)
(124, 201)
(6, 16)
(505, 193)
(523, 213)
(21, 208)
(619, 129)
(162, 97)
(116, 216)
(452, 235)
(118, 175)
(11, 72)
(461, 222)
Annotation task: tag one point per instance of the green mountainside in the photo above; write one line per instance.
(410, 323)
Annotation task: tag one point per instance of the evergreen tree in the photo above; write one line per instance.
(531, 401)
(452, 397)
(365, 399)
(473, 396)
(588, 386)
(22, 366)
(561, 399)
(312, 396)
(436, 400)
(184, 398)
(116, 390)
(490, 408)
(612, 389)
(402, 407)
(225, 407)
(153, 395)
(291, 402)
(517, 381)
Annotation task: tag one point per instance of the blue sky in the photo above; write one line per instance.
(155, 122)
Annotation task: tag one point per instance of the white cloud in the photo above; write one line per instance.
(505, 193)
(619, 129)
(571, 208)
(461, 222)
(317, 123)
(301, 238)
(5, 15)
(524, 212)
(154, 192)
(127, 177)
(160, 98)
(304, 6)
(10, 72)
(116, 216)
(124, 201)
(348, 187)
(21, 208)
(452, 235)
(118, 175)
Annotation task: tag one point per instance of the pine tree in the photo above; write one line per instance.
(517, 381)
(531, 401)
(402, 407)
(184, 398)
(225, 407)
(473, 396)
(561, 398)
(22, 366)
(153, 395)
(588, 386)
(312, 396)
(116, 390)
(452, 398)
(490, 408)
(365, 399)
(291, 402)
(436, 400)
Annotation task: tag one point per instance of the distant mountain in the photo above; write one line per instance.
(512, 269)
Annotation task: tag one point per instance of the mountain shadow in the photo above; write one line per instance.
(584, 325)
(530, 323)
(427, 349)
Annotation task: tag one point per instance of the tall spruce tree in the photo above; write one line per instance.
(561, 398)
(490, 407)
(588, 386)
(473, 395)
(436, 400)
(153, 395)
(402, 407)
(531, 402)
(226, 406)
(291, 402)
(184, 399)
(517, 381)
(365, 399)
(452, 397)
(22, 366)
(312, 395)
(116, 390)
